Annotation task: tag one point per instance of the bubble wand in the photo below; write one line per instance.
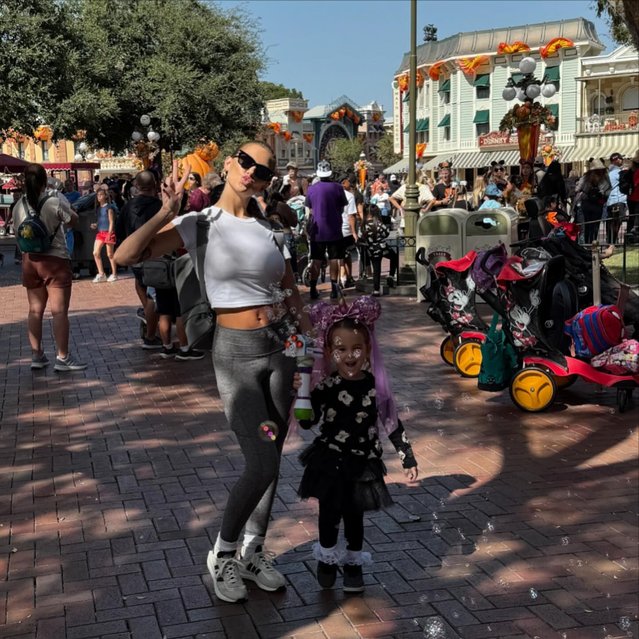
(299, 347)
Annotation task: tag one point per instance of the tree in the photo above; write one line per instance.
(342, 153)
(385, 152)
(623, 18)
(189, 65)
(272, 91)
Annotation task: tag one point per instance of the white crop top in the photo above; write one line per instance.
(243, 264)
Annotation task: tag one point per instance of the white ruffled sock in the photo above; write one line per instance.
(250, 544)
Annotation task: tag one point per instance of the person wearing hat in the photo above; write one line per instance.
(616, 204)
(326, 200)
(298, 185)
(632, 230)
(592, 192)
(493, 195)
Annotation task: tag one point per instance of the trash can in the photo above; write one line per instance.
(83, 240)
(441, 235)
(487, 228)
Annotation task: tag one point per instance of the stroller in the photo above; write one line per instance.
(450, 289)
(534, 323)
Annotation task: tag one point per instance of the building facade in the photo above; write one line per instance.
(460, 103)
(302, 135)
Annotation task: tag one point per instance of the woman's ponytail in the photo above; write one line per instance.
(35, 181)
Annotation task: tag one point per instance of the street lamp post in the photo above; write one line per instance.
(411, 205)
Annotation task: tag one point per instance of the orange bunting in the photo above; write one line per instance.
(419, 149)
(515, 47)
(276, 126)
(469, 65)
(44, 133)
(554, 45)
(287, 135)
(356, 118)
(435, 71)
(402, 81)
(308, 137)
(335, 115)
(297, 116)
(419, 79)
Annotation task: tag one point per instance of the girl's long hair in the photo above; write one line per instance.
(35, 181)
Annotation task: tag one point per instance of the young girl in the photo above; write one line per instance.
(343, 466)
(375, 233)
(105, 225)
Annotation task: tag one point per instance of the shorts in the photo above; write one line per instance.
(167, 302)
(349, 243)
(334, 249)
(138, 273)
(45, 270)
(105, 237)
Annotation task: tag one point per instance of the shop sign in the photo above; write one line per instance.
(497, 139)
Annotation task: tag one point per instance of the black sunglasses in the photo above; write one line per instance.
(499, 168)
(261, 172)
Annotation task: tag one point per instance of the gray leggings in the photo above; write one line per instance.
(255, 381)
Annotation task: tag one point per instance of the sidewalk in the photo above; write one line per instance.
(114, 480)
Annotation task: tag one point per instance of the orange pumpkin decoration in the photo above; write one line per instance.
(335, 115)
(402, 82)
(419, 79)
(196, 163)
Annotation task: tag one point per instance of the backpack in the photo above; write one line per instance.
(32, 234)
(197, 315)
(498, 360)
(625, 181)
(595, 329)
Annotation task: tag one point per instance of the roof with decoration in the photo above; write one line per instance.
(322, 111)
(487, 41)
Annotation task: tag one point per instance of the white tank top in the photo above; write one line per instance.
(243, 264)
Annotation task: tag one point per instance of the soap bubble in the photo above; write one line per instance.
(565, 541)
(490, 527)
(437, 529)
(624, 623)
(438, 403)
(435, 628)
(533, 593)
(268, 431)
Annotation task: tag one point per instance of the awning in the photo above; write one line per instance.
(445, 85)
(445, 121)
(554, 109)
(406, 97)
(398, 167)
(482, 117)
(567, 154)
(603, 146)
(517, 77)
(423, 125)
(433, 162)
(482, 80)
(479, 159)
(551, 74)
(71, 166)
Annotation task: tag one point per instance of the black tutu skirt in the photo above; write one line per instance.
(343, 479)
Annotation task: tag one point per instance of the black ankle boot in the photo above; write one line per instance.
(353, 578)
(326, 574)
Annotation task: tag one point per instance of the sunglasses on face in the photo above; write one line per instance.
(261, 172)
(499, 168)
(191, 177)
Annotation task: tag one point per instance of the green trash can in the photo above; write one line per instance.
(487, 228)
(441, 235)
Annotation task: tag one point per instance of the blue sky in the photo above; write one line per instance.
(328, 48)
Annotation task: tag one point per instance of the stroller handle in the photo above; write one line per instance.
(420, 257)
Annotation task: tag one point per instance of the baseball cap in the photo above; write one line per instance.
(393, 177)
(291, 165)
(616, 156)
(324, 169)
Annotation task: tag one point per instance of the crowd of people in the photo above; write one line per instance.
(245, 224)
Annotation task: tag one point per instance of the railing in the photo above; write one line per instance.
(623, 121)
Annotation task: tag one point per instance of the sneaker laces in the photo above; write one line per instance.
(228, 570)
(264, 560)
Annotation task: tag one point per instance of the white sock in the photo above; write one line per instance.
(184, 349)
(168, 346)
(250, 543)
(224, 546)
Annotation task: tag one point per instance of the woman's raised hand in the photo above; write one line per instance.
(173, 187)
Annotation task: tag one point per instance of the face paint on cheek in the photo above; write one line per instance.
(357, 353)
(337, 356)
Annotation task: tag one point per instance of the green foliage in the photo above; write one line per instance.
(99, 66)
(384, 151)
(272, 91)
(343, 153)
(623, 19)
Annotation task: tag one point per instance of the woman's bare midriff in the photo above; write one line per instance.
(245, 319)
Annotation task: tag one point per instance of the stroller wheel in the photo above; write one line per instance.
(467, 358)
(532, 389)
(306, 276)
(447, 350)
(624, 399)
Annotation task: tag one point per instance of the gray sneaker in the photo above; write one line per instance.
(68, 364)
(39, 361)
(227, 581)
(259, 568)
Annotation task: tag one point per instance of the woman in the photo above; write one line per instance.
(245, 278)
(47, 276)
(199, 196)
(592, 192)
(553, 184)
(105, 213)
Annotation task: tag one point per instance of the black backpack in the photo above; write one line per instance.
(33, 235)
(625, 182)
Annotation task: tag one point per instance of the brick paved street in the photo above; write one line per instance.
(114, 480)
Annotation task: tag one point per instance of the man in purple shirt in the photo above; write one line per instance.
(326, 200)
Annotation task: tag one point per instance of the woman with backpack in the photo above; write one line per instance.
(46, 266)
(592, 192)
(251, 287)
